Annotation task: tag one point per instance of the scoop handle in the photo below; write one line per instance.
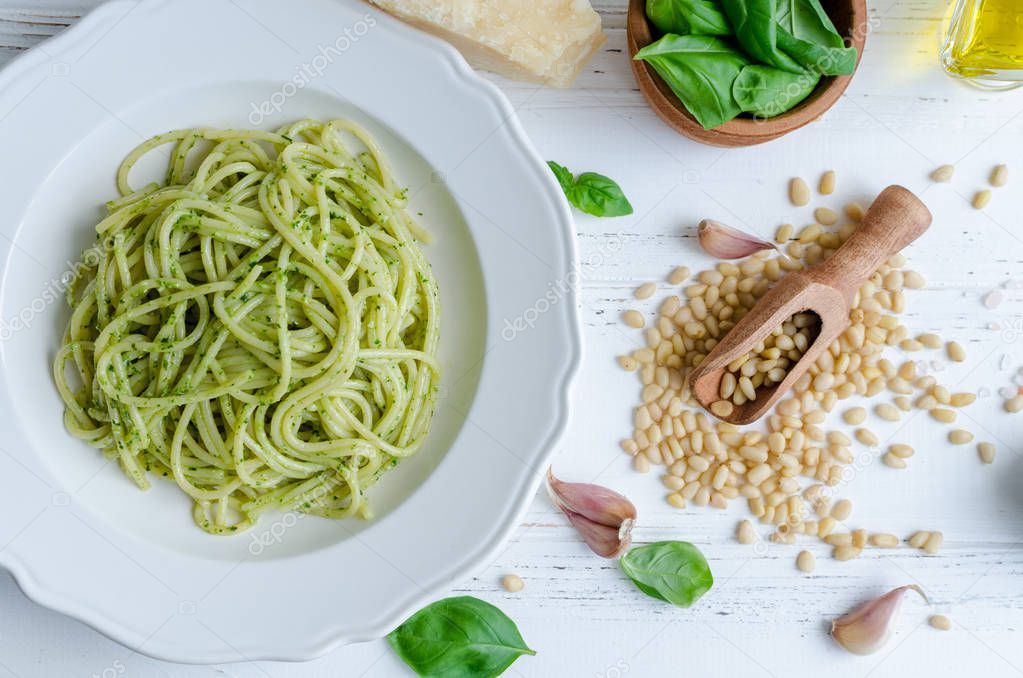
(895, 219)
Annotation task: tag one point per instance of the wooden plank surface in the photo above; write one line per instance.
(900, 118)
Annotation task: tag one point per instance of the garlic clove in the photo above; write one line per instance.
(725, 242)
(604, 540)
(868, 627)
(603, 517)
(595, 502)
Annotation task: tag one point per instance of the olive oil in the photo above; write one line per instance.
(984, 43)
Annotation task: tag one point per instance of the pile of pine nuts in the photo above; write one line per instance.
(767, 363)
(787, 473)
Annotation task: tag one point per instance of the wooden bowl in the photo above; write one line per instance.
(850, 19)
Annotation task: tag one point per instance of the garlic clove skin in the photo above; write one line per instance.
(868, 627)
(724, 242)
(603, 517)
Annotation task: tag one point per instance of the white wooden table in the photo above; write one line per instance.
(900, 118)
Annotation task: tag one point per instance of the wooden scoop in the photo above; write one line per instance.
(896, 219)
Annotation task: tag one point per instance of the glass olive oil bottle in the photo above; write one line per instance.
(984, 43)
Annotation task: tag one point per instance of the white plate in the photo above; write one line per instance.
(76, 533)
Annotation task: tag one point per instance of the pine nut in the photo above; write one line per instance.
(627, 363)
(955, 352)
(854, 211)
(839, 438)
(745, 533)
(806, 562)
(866, 437)
(512, 583)
(841, 510)
(1014, 404)
(799, 192)
(999, 176)
(845, 552)
(959, 437)
(825, 216)
(918, 539)
(986, 451)
(809, 234)
(981, 198)
(913, 280)
(825, 526)
(645, 291)
(934, 543)
(884, 540)
(943, 174)
(854, 416)
(940, 622)
(827, 185)
(893, 461)
(887, 412)
(679, 275)
(633, 319)
(783, 537)
(943, 415)
(839, 539)
(910, 345)
(902, 451)
(783, 234)
(962, 399)
(721, 408)
(930, 340)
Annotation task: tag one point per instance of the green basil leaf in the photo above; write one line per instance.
(563, 175)
(687, 17)
(805, 33)
(597, 195)
(592, 193)
(823, 60)
(757, 31)
(461, 637)
(766, 92)
(673, 571)
(700, 70)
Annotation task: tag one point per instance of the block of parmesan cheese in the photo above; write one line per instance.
(544, 41)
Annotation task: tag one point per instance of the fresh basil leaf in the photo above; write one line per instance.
(757, 31)
(700, 70)
(766, 92)
(687, 17)
(592, 193)
(818, 58)
(600, 196)
(805, 33)
(460, 637)
(673, 571)
(564, 177)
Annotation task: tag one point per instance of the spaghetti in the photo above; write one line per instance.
(262, 328)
